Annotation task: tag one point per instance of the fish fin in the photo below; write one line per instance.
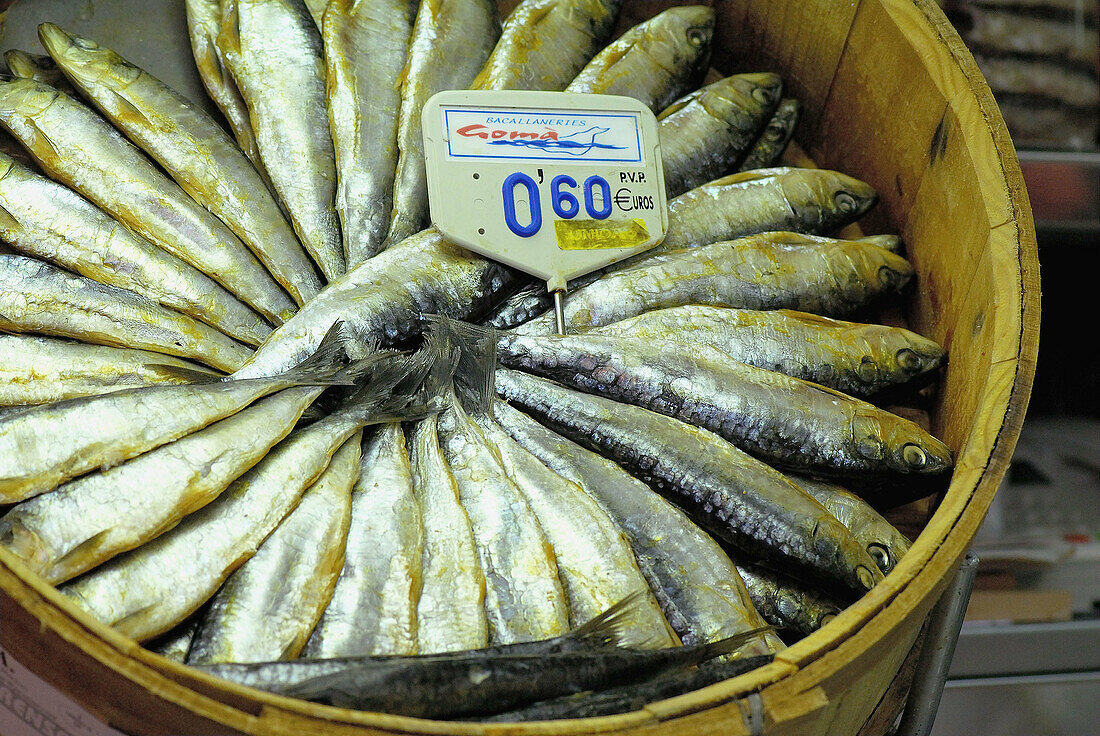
(731, 644)
(62, 568)
(475, 370)
(607, 628)
(185, 374)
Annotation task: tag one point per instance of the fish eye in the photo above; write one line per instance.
(85, 43)
(845, 202)
(908, 360)
(696, 37)
(881, 555)
(914, 456)
(866, 577)
(825, 618)
(888, 277)
(763, 95)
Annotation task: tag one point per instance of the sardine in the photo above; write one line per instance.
(46, 220)
(856, 358)
(544, 44)
(449, 686)
(786, 422)
(204, 22)
(383, 300)
(794, 608)
(77, 147)
(267, 608)
(42, 370)
(274, 51)
(705, 133)
(47, 445)
(879, 537)
(524, 599)
(775, 270)
(767, 150)
(696, 584)
(656, 61)
(366, 46)
(87, 521)
(451, 611)
(192, 147)
(451, 41)
(37, 297)
(594, 560)
(147, 591)
(734, 497)
(373, 606)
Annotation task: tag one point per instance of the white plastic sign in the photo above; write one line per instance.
(554, 184)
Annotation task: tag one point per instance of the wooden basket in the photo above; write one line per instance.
(891, 96)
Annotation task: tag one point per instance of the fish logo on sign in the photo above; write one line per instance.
(542, 136)
(575, 144)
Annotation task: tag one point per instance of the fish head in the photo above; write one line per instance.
(31, 66)
(824, 199)
(681, 39)
(899, 446)
(740, 98)
(851, 565)
(22, 99)
(82, 59)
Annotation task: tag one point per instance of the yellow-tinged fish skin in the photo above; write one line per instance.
(267, 608)
(366, 46)
(451, 611)
(99, 515)
(373, 607)
(40, 298)
(273, 49)
(75, 146)
(46, 220)
(192, 147)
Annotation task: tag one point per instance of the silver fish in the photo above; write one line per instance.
(89, 520)
(275, 53)
(42, 370)
(38, 297)
(451, 41)
(451, 611)
(78, 148)
(192, 147)
(366, 46)
(742, 501)
(267, 608)
(44, 219)
(706, 132)
(656, 61)
(373, 609)
(544, 44)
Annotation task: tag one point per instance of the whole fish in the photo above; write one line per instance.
(44, 219)
(786, 199)
(524, 599)
(373, 605)
(89, 520)
(451, 41)
(274, 51)
(768, 271)
(544, 44)
(738, 499)
(450, 615)
(38, 297)
(150, 589)
(656, 61)
(42, 370)
(706, 132)
(204, 23)
(786, 422)
(594, 559)
(383, 300)
(78, 148)
(879, 537)
(792, 607)
(47, 445)
(767, 151)
(192, 147)
(366, 45)
(449, 686)
(694, 580)
(856, 358)
(267, 608)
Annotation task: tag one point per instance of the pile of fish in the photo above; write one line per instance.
(260, 416)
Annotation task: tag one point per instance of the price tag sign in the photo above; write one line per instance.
(554, 184)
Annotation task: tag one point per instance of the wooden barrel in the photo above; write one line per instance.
(891, 96)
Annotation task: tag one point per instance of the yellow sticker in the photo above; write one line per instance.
(598, 234)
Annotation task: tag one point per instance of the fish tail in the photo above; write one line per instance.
(476, 358)
(730, 644)
(607, 628)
